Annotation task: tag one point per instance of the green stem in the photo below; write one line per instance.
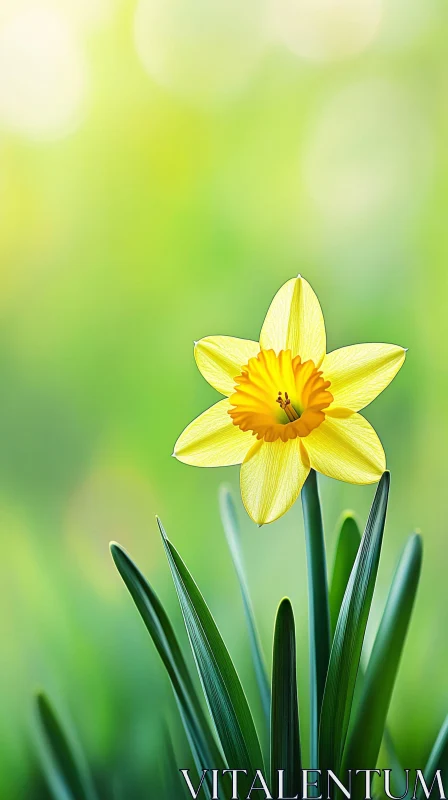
(319, 615)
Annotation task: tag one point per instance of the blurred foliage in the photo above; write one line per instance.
(158, 189)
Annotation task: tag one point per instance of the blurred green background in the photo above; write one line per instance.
(164, 166)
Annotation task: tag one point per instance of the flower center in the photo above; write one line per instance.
(289, 410)
(279, 397)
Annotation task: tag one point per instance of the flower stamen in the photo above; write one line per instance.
(287, 407)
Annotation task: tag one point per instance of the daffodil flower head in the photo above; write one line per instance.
(289, 406)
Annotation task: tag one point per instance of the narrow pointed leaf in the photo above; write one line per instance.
(367, 732)
(231, 529)
(349, 636)
(63, 762)
(397, 774)
(346, 552)
(204, 748)
(285, 739)
(319, 611)
(392, 755)
(173, 784)
(438, 758)
(222, 688)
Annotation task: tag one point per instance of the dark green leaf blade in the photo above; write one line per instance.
(364, 742)
(438, 758)
(62, 760)
(222, 688)
(392, 755)
(346, 551)
(285, 738)
(231, 529)
(349, 635)
(319, 609)
(397, 773)
(204, 748)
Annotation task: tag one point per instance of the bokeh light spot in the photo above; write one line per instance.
(325, 30)
(204, 51)
(368, 157)
(42, 74)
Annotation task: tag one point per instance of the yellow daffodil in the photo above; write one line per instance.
(289, 406)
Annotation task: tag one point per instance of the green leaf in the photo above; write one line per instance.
(285, 740)
(319, 612)
(392, 755)
(203, 746)
(365, 737)
(349, 636)
(222, 688)
(438, 758)
(397, 774)
(172, 783)
(231, 529)
(346, 551)
(63, 762)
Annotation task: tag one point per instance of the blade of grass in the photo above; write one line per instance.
(319, 614)
(63, 762)
(204, 748)
(232, 532)
(438, 758)
(392, 755)
(285, 739)
(222, 688)
(364, 742)
(397, 772)
(346, 551)
(172, 783)
(349, 636)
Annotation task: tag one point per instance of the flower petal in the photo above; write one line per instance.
(212, 440)
(347, 448)
(361, 372)
(295, 322)
(221, 358)
(272, 475)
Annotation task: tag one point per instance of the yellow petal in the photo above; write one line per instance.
(212, 440)
(221, 358)
(359, 373)
(347, 448)
(272, 476)
(295, 322)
